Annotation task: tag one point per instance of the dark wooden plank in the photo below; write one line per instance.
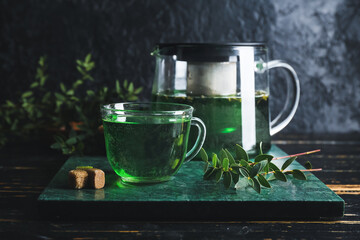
(332, 162)
(191, 230)
(334, 137)
(19, 218)
(334, 150)
(338, 177)
(174, 230)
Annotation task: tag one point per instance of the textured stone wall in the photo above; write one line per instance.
(319, 38)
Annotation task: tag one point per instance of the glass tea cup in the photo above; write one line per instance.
(147, 142)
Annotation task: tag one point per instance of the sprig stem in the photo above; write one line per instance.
(298, 154)
(302, 170)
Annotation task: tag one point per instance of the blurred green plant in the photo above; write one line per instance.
(70, 113)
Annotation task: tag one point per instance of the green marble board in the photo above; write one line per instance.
(187, 197)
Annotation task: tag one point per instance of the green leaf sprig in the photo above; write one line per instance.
(255, 173)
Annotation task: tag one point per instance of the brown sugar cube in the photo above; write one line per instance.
(96, 177)
(78, 178)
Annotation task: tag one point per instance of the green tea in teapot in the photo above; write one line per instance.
(222, 117)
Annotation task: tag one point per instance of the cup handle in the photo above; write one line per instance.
(293, 89)
(199, 140)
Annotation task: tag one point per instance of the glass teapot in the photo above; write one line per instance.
(228, 85)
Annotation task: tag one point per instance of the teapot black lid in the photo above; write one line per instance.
(204, 52)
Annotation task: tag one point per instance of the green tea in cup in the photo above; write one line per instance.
(147, 142)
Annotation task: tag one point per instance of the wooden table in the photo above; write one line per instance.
(25, 171)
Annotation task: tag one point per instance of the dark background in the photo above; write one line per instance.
(319, 38)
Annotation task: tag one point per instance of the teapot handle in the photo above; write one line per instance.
(293, 89)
